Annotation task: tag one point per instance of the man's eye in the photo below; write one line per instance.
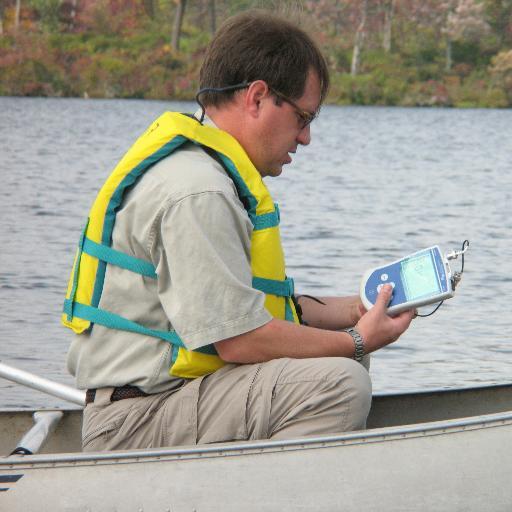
(303, 120)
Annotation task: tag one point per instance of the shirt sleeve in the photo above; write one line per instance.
(204, 269)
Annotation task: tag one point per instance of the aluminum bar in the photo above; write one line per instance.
(45, 423)
(41, 384)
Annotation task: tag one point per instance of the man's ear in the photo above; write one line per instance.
(257, 91)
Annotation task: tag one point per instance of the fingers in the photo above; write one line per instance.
(405, 318)
(408, 313)
(384, 297)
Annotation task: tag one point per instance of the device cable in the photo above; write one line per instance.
(456, 276)
(241, 85)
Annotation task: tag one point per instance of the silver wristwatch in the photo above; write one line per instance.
(358, 342)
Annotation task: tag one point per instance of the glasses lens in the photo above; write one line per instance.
(303, 116)
(306, 118)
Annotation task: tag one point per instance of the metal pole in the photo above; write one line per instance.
(45, 422)
(41, 384)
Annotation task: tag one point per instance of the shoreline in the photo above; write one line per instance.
(328, 102)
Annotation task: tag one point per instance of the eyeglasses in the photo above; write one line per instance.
(305, 118)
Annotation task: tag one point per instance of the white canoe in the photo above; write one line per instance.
(441, 450)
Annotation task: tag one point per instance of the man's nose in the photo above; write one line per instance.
(304, 136)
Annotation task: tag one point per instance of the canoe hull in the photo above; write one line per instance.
(458, 465)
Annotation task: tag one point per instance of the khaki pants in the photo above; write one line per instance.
(280, 399)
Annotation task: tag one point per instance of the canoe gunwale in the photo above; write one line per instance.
(445, 390)
(445, 427)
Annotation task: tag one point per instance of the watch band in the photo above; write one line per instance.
(358, 342)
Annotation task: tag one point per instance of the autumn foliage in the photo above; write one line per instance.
(386, 52)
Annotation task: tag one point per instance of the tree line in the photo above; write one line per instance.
(390, 52)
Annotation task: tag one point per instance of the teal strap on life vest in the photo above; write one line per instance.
(280, 288)
(113, 321)
(288, 313)
(118, 258)
(266, 220)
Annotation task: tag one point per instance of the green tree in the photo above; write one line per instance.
(48, 12)
(499, 16)
(152, 8)
(501, 72)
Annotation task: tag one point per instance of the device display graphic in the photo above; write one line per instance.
(419, 277)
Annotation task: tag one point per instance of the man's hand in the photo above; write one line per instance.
(377, 328)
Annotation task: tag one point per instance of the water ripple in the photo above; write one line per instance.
(375, 184)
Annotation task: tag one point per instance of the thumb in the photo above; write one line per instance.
(384, 297)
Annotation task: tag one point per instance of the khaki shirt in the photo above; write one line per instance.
(184, 216)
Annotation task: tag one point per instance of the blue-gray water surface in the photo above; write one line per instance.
(374, 185)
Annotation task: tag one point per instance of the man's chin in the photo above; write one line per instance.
(275, 171)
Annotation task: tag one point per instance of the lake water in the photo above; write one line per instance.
(374, 185)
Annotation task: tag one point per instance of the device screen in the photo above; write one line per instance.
(419, 277)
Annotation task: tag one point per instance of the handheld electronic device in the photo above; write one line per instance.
(419, 279)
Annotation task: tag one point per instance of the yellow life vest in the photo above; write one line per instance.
(166, 135)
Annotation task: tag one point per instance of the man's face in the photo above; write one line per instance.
(281, 131)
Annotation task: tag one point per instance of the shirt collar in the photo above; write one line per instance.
(207, 120)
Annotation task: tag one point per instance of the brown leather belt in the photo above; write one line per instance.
(118, 394)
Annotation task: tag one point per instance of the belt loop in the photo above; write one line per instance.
(103, 396)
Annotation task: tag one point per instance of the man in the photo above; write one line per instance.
(188, 328)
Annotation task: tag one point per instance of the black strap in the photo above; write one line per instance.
(192, 116)
(298, 307)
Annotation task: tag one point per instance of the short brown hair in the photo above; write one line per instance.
(257, 45)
